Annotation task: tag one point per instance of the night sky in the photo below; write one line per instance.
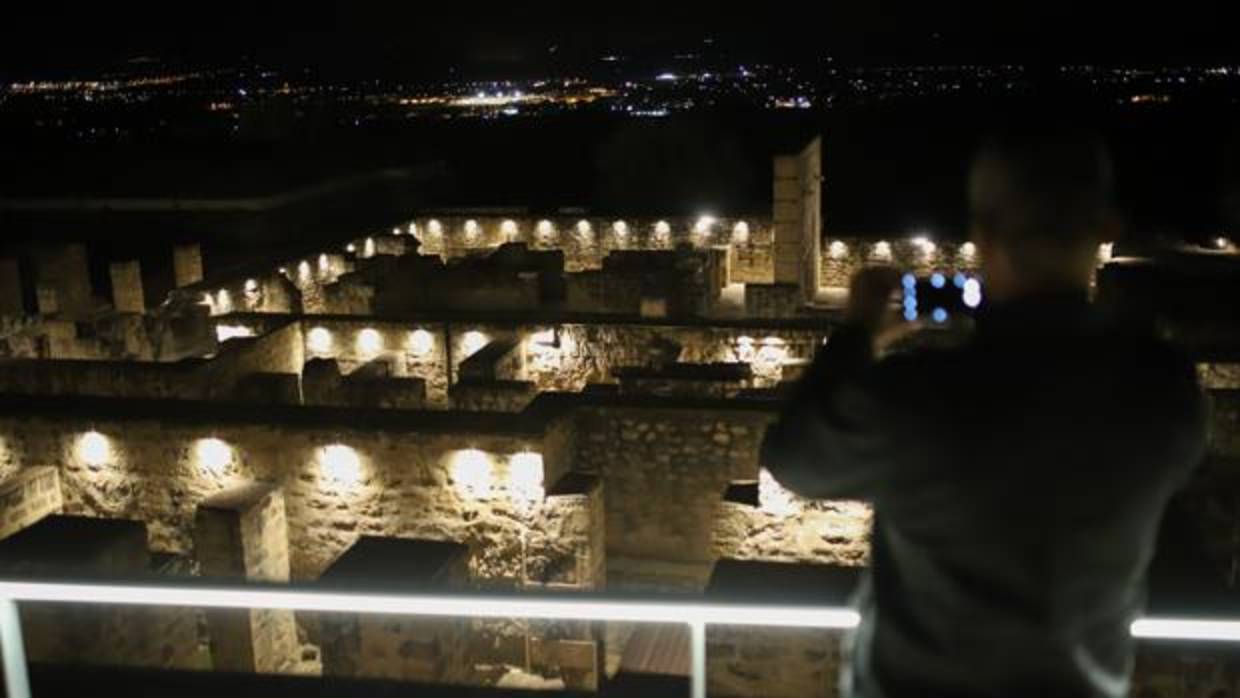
(360, 39)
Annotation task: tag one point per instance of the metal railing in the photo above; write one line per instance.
(696, 615)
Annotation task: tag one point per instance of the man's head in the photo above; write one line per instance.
(1040, 200)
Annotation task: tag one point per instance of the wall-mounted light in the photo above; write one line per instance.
(223, 301)
(972, 293)
(704, 224)
(303, 270)
(472, 230)
(584, 230)
(662, 230)
(545, 230)
(369, 342)
(325, 263)
(213, 455)
(1222, 243)
(837, 249)
(881, 250)
(341, 465)
(740, 232)
(620, 228)
(396, 230)
(968, 250)
(413, 228)
(421, 342)
(350, 248)
(925, 244)
(434, 228)
(508, 229)
(472, 473)
(472, 341)
(251, 285)
(319, 340)
(368, 248)
(94, 449)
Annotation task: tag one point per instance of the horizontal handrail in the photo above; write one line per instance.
(696, 614)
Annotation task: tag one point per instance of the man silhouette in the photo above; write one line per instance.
(1018, 478)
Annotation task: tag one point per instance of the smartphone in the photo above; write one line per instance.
(938, 297)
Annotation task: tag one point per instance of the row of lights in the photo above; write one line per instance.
(472, 470)
(544, 228)
(369, 341)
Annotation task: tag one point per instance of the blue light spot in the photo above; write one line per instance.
(910, 303)
(909, 280)
(959, 279)
(937, 280)
(939, 315)
(910, 314)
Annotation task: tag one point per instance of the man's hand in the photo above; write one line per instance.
(869, 299)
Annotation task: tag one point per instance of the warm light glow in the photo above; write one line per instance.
(251, 285)
(94, 449)
(472, 341)
(662, 229)
(703, 225)
(207, 300)
(350, 248)
(421, 342)
(368, 248)
(508, 229)
(881, 250)
(837, 249)
(620, 228)
(434, 228)
(472, 229)
(1104, 252)
(968, 249)
(341, 465)
(303, 270)
(319, 340)
(472, 473)
(413, 228)
(213, 455)
(584, 229)
(223, 301)
(223, 333)
(774, 499)
(1222, 243)
(369, 342)
(525, 478)
(396, 230)
(545, 230)
(740, 232)
(325, 263)
(924, 244)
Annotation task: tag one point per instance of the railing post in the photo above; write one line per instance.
(697, 658)
(16, 680)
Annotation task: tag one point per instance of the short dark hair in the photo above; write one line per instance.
(1042, 184)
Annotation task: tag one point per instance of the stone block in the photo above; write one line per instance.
(187, 264)
(127, 295)
(28, 496)
(242, 533)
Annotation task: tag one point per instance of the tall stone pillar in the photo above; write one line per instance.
(10, 289)
(187, 264)
(242, 533)
(64, 269)
(127, 295)
(798, 219)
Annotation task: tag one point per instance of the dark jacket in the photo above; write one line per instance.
(1018, 481)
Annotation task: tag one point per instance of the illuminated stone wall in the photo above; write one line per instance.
(786, 528)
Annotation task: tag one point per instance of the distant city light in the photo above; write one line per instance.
(666, 77)
(350, 248)
(959, 280)
(937, 280)
(908, 281)
(939, 315)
